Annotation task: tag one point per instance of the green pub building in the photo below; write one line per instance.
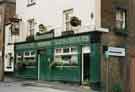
(70, 58)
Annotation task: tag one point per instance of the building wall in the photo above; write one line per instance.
(3, 20)
(131, 46)
(6, 11)
(50, 13)
(117, 65)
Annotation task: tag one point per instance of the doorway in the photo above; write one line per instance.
(43, 68)
(85, 64)
(86, 67)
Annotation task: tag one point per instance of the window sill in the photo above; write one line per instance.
(122, 32)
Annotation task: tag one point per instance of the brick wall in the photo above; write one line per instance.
(131, 44)
(117, 65)
(6, 11)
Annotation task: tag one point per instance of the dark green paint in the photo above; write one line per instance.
(65, 72)
(95, 63)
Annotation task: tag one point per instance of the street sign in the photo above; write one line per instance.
(114, 51)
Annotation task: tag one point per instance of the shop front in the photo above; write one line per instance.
(71, 59)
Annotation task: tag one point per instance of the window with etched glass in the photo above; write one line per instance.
(29, 58)
(67, 55)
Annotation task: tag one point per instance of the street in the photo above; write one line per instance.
(17, 87)
(10, 85)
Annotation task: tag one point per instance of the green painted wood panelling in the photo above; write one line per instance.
(45, 60)
(66, 74)
(44, 68)
(59, 72)
(30, 73)
(28, 70)
(95, 63)
(26, 46)
(72, 40)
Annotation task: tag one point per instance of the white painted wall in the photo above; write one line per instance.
(50, 13)
(9, 48)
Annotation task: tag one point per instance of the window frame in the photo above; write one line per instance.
(61, 55)
(123, 18)
(67, 14)
(31, 26)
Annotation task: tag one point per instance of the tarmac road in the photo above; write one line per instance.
(17, 87)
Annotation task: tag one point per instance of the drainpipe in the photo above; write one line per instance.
(38, 66)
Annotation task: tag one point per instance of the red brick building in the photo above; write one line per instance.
(7, 10)
(131, 46)
(114, 69)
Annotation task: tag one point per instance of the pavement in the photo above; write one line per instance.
(44, 86)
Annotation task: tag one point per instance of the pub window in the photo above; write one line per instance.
(32, 53)
(66, 50)
(58, 50)
(26, 53)
(66, 55)
(73, 49)
(31, 2)
(29, 59)
(120, 18)
(19, 56)
(67, 15)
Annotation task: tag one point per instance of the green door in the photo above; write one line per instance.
(45, 57)
(43, 65)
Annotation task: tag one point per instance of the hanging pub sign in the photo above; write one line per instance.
(45, 35)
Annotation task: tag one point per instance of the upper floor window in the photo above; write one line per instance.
(120, 19)
(67, 15)
(31, 2)
(31, 24)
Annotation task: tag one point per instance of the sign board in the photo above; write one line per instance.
(46, 35)
(72, 40)
(114, 51)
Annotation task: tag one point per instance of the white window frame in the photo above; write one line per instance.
(67, 15)
(30, 54)
(120, 18)
(31, 26)
(18, 56)
(67, 53)
(70, 53)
